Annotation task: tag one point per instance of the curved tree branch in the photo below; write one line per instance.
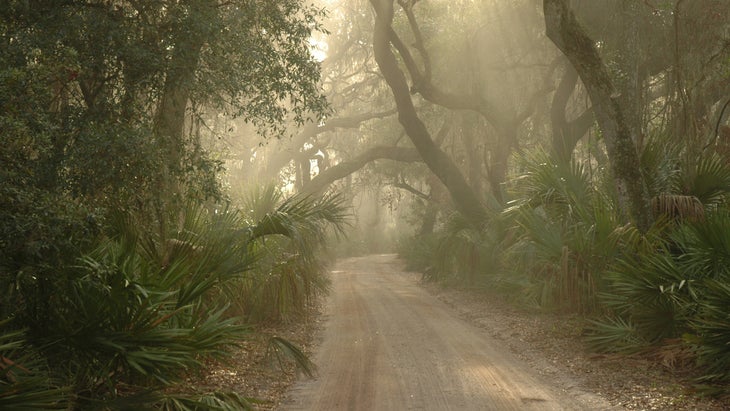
(345, 168)
(405, 186)
(566, 134)
(283, 157)
(437, 161)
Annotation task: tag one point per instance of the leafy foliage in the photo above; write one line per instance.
(712, 326)
(24, 382)
(642, 292)
(141, 311)
(286, 241)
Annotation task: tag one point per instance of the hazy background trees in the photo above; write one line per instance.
(571, 155)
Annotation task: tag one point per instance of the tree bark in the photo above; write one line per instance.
(498, 166)
(438, 162)
(564, 30)
(471, 153)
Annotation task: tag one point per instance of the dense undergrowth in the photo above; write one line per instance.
(119, 320)
(562, 245)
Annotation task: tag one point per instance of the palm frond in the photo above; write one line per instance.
(712, 325)
(283, 350)
(614, 334)
(705, 246)
(678, 207)
(709, 180)
(23, 383)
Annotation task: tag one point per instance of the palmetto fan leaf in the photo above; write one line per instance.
(654, 292)
(141, 310)
(117, 326)
(285, 235)
(614, 334)
(660, 164)
(706, 246)
(561, 189)
(708, 180)
(302, 217)
(546, 235)
(712, 325)
(24, 385)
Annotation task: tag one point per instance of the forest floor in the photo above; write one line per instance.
(384, 340)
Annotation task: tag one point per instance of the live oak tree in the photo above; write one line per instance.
(619, 133)
(125, 83)
(464, 198)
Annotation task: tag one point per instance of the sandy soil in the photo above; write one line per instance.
(387, 344)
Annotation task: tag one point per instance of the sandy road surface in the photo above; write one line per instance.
(388, 345)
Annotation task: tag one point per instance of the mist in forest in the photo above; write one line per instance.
(176, 171)
(493, 94)
(501, 57)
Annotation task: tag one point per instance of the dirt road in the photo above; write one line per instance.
(389, 345)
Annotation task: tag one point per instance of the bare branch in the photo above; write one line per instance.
(405, 186)
(419, 45)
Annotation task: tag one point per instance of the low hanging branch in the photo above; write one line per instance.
(345, 168)
(407, 187)
(504, 121)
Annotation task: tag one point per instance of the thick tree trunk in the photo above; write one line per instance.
(438, 162)
(619, 135)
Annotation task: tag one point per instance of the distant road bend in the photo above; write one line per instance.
(389, 345)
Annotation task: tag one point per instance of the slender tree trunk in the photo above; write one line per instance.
(498, 161)
(564, 30)
(473, 159)
(306, 166)
(428, 223)
(438, 162)
(630, 85)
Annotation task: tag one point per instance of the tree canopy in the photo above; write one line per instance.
(173, 156)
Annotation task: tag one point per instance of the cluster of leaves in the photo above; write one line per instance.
(139, 312)
(288, 275)
(672, 295)
(113, 273)
(564, 246)
(83, 86)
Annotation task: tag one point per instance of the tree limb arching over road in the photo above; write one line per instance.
(388, 345)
